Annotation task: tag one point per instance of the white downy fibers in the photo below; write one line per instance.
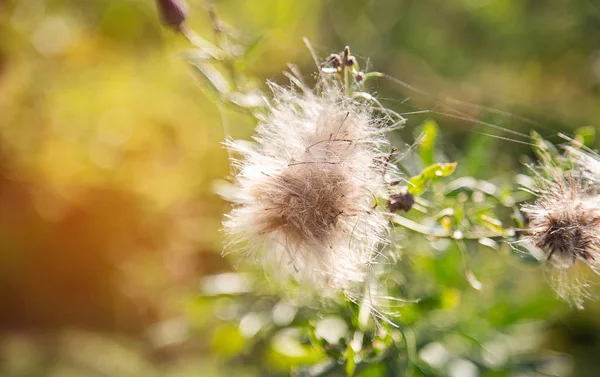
(304, 197)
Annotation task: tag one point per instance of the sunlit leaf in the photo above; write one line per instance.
(418, 183)
(585, 135)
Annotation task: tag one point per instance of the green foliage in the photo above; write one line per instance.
(418, 183)
(430, 320)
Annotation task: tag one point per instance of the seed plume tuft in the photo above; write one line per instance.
(564, 222)
(305, 192)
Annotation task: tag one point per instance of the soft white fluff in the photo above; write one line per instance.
(564, 222)
(304, 203)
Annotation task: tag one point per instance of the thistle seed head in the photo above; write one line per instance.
(304, 195)
(564, 222)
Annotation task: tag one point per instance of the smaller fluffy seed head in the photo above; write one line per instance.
(564, 222)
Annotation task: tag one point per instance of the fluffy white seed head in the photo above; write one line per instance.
(564, 222)
(304, 202)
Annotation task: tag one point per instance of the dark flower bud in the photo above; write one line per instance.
(348, 59)
(402, 201)
(172, 12)
(334, 61)
(346, 52)
(359, 76)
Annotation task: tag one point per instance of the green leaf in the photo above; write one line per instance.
(427, 141)
(287, 350)
(374, 370)
(227, 340)
(585, 135)
(418, 183)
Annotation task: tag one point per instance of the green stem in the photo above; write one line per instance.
(440, 233)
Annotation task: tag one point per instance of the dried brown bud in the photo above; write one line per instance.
(348, 59)
(334, 61)
(173, 12)
(402, 201)
(346, 52)
(359, 76)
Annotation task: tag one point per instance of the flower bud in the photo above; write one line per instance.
(172, 12)
(402, 201)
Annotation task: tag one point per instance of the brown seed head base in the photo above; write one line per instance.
(305, 201)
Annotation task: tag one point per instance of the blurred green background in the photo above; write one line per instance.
(109, 148)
